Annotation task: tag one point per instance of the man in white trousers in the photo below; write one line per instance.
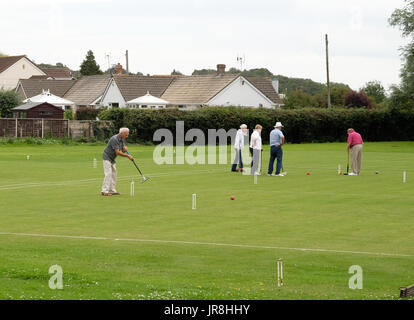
(256, 148)
(115, 147)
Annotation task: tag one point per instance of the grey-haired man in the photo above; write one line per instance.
(115, 147)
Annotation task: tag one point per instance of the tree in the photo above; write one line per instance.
(3, 55)
(299, 99)
(8, 100)
(404, 19)
(176, 73)
(375, 90)
(203, 72)
(89, 66)
(355, 99)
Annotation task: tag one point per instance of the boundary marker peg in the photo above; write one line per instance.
(194, 201)
(132, 192)
(280, 272)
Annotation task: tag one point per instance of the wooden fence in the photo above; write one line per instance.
(47, 128)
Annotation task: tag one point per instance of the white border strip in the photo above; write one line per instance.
(205, 244)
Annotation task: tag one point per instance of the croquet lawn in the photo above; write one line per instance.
(153, 245)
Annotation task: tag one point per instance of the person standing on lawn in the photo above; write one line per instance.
(115, 147)
(355, 147)
(238, 146)
(256, 148)
(277, 140)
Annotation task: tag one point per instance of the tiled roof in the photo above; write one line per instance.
(58, 72)
(87, 89)
(266, 87)
(196, 89)
(134, 86)
(6, 62)
(32, 87)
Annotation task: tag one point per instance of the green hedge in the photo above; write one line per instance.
(303, 125)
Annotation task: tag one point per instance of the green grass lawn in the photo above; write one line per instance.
(154, 246)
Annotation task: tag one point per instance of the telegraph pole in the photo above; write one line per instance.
(127, 62)
(327, 72)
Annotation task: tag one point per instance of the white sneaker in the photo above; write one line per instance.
(279, 175)
(352, 174)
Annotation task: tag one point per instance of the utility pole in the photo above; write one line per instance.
(327, 72)
(127, 62)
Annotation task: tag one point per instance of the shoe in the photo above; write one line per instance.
(106, 194)
(115, 193)
(271, 175)
(352, 174)
(279, 175)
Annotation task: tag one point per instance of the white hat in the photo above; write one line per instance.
(278, 124)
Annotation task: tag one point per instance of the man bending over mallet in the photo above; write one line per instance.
(115, 147)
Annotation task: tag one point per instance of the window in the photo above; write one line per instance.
(114, 104)
(45, 113)
(143, 106)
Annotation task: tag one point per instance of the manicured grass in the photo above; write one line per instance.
(222, 250)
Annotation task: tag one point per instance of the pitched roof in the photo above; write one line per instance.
(6, 62)
(58, 72)
(196, 89)
(266, 87)
(87, 89)
(33, 86)
(134, 86)
(30, 105)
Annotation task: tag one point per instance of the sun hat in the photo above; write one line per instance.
(278, 124)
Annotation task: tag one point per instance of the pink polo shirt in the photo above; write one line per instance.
(354, 138)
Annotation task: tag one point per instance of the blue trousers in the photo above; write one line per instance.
(237, 161)
(275, 153)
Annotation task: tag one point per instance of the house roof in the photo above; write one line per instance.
(47, 96)
(87, 89)
(6, 62)
(62, 73)
(31, 105)
(196, 89)
(266, 87)
(148, 99)
(134, 86)
(33, 86)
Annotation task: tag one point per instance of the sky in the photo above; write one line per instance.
(286, 37)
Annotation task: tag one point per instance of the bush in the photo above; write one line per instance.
(68, 114)
(301, 125)
(86, 113)
(355, 99)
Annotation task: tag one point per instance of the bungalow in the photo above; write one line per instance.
(14, 68)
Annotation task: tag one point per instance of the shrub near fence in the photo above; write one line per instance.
(301, 125)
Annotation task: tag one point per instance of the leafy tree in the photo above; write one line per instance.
(404, 19)
(375, 90)
(338, 92)
(176, 73)
(49, 66)
(234, 71)
(261, 72)
(299, 99)
(355, 99)
(89, 66)
(203, 72)
(8, 100)
(68, 114)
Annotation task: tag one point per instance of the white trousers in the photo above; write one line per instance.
(109, 182)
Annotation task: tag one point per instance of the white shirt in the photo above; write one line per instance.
(239, 143)
(256, 140)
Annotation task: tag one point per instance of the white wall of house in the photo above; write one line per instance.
(241, 93)
(22, 69)
(113, 95)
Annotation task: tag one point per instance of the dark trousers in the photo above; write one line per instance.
(237, 161)
(275, 153)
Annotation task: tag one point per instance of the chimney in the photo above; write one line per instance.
(275, 84)
(118, 68)
(221, 69)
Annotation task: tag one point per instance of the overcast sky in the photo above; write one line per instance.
(287, 37)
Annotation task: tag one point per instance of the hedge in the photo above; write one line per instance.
(301, 125)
